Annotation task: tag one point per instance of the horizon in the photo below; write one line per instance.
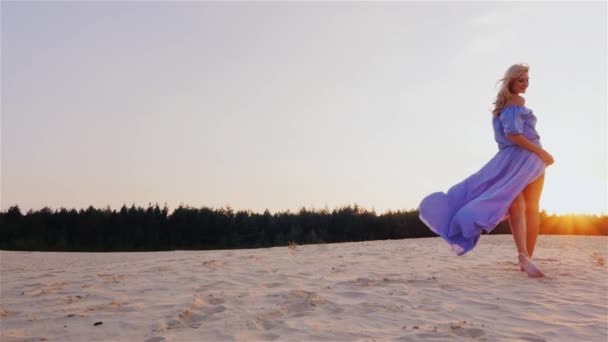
(235, 210)
(252, 106)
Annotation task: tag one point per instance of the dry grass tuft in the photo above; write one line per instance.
(598, 259)
(292, 246)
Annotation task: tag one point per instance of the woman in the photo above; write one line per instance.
(509, 185)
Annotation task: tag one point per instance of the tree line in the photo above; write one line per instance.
(155, 229)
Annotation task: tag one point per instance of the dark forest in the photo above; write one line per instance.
(155, 229)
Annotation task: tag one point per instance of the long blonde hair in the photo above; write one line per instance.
(504, 94)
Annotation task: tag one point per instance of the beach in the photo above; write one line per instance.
(407, 290)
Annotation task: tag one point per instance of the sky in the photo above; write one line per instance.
(284, 105)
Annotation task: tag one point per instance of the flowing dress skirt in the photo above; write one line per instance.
(481, 201)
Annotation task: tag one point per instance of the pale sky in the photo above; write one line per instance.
(283, 105)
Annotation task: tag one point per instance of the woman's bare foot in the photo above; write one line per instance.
(526, 265)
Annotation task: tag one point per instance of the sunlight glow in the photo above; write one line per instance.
(570, 193)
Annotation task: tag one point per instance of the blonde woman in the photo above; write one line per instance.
(508, 186)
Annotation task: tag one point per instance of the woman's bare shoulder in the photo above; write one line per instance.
(516, 101)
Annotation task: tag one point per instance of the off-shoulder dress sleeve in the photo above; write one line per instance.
(512, 120)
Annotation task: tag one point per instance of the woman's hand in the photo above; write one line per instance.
(522, 141)
(546, 157)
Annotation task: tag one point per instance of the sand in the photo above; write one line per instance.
(408, 290)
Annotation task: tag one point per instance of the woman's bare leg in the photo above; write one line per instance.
(532, 197)
(517, 220)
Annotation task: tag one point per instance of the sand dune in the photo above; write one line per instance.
(409, 290)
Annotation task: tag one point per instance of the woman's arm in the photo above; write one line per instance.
(522, 141)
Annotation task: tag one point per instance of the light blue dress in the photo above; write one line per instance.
(482, 201)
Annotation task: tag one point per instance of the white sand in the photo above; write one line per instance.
(410, 290)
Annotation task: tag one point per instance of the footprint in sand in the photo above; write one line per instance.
(269, 319)
(117, 306)
(448, 287)
(72, 299)
(6, 312)
(360, 282)
(215, 264)
(221, 284)
(294, 303)
(44, 289)
(34, 284)
(201, 309)
(461, 331)
(109, 278)
(373, 308)
(161, 269)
